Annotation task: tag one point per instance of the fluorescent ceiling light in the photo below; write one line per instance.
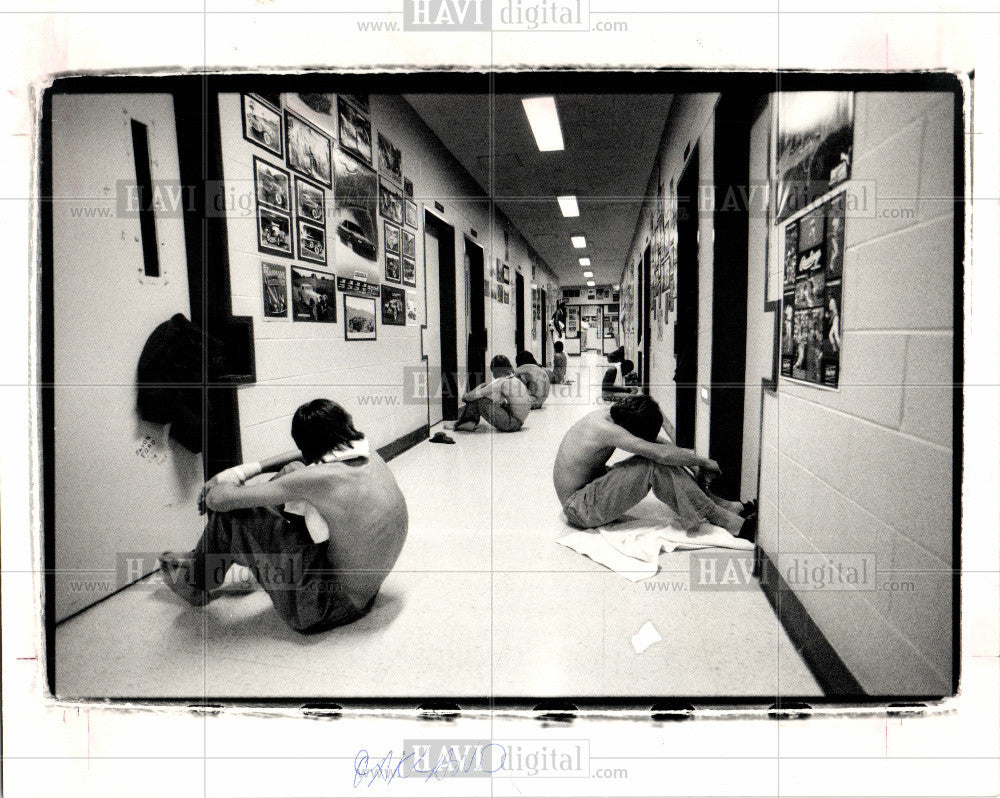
(579, 242)
(584, 261)
(568, 206)
(544, 121)
(591, 283)
(588, 274)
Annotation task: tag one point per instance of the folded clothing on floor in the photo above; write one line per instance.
(631, 546)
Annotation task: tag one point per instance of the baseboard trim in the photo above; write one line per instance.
(404, 443)
(832, 673)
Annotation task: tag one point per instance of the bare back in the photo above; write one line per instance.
(583, 453)
(366, 514)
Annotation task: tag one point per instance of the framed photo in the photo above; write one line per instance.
(359, 318)
(312, 242)
(390, 160)
(506, 274)
(310, 202)
(392, 268)
(393, 306)
(390, 203)
(412, 218)
(407, 187)
(410, 272)
(314, 295)
(272, 185)
(391, 237)
(307, 149)
(274, 277)
(355, 132)
(409, 244)
(262, 124)
(274, 232)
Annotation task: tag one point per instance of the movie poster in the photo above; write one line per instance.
(814, 147)
(811, 324)
(355, 215)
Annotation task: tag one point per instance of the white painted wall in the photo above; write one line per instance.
(121, 485)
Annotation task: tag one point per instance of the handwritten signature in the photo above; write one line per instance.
(367, 769)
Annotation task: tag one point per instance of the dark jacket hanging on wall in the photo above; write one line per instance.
(173, 367)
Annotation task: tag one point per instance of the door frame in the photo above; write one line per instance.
(518, 312)
(478, 340)
(447, 311)
(686, 323)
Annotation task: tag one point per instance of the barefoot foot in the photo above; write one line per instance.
(178, 575)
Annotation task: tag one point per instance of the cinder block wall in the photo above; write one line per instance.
(867, 470)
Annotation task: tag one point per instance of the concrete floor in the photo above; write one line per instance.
(482, 602)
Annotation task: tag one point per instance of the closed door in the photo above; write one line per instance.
(432, 335)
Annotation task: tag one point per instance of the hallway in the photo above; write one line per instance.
(501, 610)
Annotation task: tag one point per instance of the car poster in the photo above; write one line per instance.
(274, 279)
(354, 229)
(393, 306)
(314, 295)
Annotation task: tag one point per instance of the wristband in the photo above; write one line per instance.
(248, 471)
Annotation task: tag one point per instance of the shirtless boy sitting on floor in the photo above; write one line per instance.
(334, 478)
(592, 494)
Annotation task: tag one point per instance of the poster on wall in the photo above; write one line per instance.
(354, 215)
(310, 202)
(412, 218)
(274, 232)
(262, 124)
(393, 271)
(573, 321)
(355, 131)
(274, 277)
(319, 103)
(393, 306)
(271, 185)
(813, 293)
(411, 308)
(307, 149)
(391, 237)
(390, 160)
(409, 244)
(410, 272)
(359, 318)
(314, 295)
(312, 242)
(813, 147)
(390, 203)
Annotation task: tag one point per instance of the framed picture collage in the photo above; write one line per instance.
(322, 200)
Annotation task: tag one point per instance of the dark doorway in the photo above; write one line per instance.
(686, 326)
(646, 329)
(447, 304)
(734, 117)
(477, 315)
(544, 322)
(519, 312)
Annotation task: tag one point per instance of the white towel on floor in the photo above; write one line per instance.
(631, 547)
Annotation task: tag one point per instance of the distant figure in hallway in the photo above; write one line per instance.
(611, 390)
(559, 319)
(333, 483)
(592, 494)
(534, 376)
(504, 402)
(558, 373)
